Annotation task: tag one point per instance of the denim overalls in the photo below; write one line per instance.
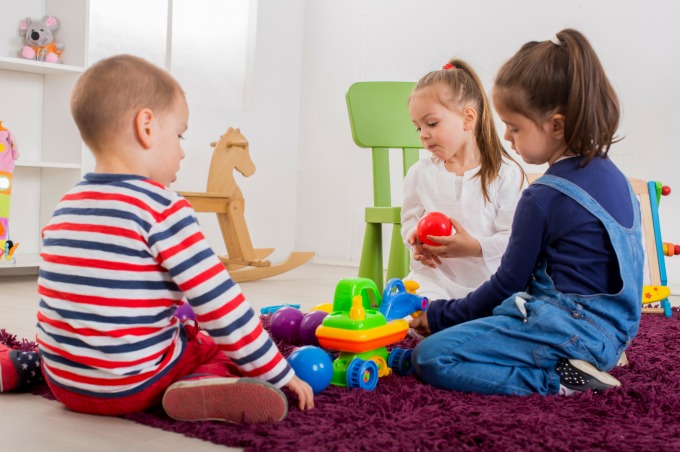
(515, 350)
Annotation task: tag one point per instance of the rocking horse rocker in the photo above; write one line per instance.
(224, 198)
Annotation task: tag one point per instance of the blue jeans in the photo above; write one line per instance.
(514, 351)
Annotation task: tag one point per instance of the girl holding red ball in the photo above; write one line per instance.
(470, 178)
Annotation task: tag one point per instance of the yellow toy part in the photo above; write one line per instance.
(654, 294)
(325, 307)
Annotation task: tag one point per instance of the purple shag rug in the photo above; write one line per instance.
(404, 414)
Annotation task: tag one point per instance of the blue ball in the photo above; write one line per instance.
(313, 365)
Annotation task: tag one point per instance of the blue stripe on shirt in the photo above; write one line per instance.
(109, 283)
(190, 262)
(136, 319)
(255, 355)
(112, 349)
(107, 213)
(214, 293)
(281, 375)
(172, 231)
(97, 246)
(154, 196)
(233, 326)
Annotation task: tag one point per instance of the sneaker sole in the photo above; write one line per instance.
(237, 400)
(592, 371)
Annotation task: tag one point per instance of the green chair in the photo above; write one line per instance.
(378, 115)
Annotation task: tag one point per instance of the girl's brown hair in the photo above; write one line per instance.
(464, 88)
(563, 76)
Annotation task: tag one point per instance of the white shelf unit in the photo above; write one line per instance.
(36, 109)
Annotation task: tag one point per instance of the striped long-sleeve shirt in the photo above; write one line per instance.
(119, 255)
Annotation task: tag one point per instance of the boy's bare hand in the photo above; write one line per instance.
(303, 391)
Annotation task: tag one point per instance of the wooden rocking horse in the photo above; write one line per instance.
(224, 198)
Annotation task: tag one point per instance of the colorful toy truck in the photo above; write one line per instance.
(360, 332)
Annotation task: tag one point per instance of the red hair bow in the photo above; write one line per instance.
(448, 66)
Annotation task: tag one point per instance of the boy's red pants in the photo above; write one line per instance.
(201, 356)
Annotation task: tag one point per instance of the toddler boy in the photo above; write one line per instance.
(122, 252)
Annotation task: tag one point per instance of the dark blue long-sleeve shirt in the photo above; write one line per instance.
(551, 225)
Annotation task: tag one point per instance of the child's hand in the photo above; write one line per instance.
(421, 254)
(303, 391)
(420, 325)
(460, 244)
(424, 256)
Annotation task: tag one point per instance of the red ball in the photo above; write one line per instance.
(436, 224)
(665, 190)
(285, 324)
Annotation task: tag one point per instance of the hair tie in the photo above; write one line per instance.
(448, 66)
(555, 40)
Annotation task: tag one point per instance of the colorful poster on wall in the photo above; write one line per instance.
(8, 154)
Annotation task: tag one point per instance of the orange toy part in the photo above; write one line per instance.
(357, 341)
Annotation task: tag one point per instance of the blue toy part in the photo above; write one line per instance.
(397, 303)
(400, 361)
(362, 374)
(273, 309)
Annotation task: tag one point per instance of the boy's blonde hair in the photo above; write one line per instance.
(115, 87)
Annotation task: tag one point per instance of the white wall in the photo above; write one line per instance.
(271, 123)
(359, 40)
(266, 109)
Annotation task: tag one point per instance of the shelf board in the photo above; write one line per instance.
(37, 67)
(58, 165)
(25, 264)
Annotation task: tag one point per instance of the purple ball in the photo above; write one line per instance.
(285, 324)
(184, 312)
(308, 327)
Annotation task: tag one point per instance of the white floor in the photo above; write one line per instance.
(33, 423)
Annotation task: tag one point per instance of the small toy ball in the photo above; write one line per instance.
(308, 327)
(436, 224)
(285, 324)
(184, 312)
(312, 365)
(665, 190)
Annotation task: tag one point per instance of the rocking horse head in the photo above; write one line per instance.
(231, 152)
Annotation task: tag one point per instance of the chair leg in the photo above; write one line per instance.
(399, 260)
(371, 264)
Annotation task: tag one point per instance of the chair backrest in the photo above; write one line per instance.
(379, 118)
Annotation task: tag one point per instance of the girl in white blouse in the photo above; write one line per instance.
(470, 177)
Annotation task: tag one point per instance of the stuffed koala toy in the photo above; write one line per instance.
(40, 39)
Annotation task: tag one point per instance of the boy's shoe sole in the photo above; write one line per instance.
(581, 375)
(237, 400)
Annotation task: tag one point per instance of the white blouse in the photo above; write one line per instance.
(429, 187)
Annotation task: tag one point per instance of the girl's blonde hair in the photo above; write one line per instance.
(565, 76)
(465, 89)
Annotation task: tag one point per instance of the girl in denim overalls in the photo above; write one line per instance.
(565, 301)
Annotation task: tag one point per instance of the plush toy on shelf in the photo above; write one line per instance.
(39, 37)
(8, 154)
